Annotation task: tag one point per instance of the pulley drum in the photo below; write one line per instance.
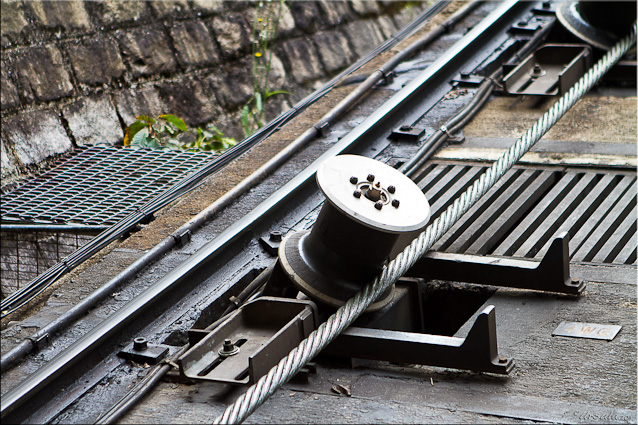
(369, 206)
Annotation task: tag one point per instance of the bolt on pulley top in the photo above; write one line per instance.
(373, 193)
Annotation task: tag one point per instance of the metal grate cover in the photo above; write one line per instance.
(529, 207)
(98, 185)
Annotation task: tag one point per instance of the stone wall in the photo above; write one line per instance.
(77, 72)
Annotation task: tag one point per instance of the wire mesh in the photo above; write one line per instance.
(94, 186)
(98, 185)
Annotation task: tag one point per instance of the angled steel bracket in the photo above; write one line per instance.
(550, 274)
(478, 351)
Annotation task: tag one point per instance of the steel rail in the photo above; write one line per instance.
(43, 335)
(449, 62)
(288, 366)
(38, 285)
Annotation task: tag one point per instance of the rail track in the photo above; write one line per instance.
(79, 376)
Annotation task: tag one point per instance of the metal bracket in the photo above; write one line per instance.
(552, 69)
(251, 341)
(550, 274)
(407, 133)
(272, 242)
(140, 351)
(478, 351)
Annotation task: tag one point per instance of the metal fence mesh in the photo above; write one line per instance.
(94, 186)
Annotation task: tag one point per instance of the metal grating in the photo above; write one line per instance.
(98, 185)
(529, 207)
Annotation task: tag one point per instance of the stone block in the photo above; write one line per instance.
(334, 51)
(119, 12)
(36, 136)
(365, 7)
(147, 52)
(233, 88)
(334, 12)
(193, 43)
(407, 15)
(305, 14)
(66, 15)
(386, 26)
(207, 7)
(187, 99)
(364, 36)
(232, 32)
(93, 121)
(141, 100)
(12, 21)
(303, 59)
(42, 75)
(170, 8)
(8, 91)
(8, 165)
(95, 61)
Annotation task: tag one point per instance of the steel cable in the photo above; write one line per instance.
(288, 366)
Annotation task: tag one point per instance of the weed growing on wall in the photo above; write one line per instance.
(264, 30)
(168, 131)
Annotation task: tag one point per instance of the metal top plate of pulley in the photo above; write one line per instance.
(373, 194)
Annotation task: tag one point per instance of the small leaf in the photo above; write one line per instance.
(140, 138)
(131, 131)
(177, 122)
(273, 93)
(146, 118)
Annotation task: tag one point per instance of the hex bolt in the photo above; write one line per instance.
(537, 69)
(395, 203)
(228, 349)
(140, 344)
(391, 189)
(275, 236)
(357, 194)
(370, 178)
(405, 128)
(354, 180)
(502, 360)
(522, 23)
(378, 205)
(465, 74)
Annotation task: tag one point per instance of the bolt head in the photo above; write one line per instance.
(140, 344)
(391, 189)
(275, 236)
(395, 203)
(370, 178)
(357, 194)
(354, 180)
(405, 128)
(502, 360)
(378, 205)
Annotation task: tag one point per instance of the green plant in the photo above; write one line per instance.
(168, 131)
(264, 29)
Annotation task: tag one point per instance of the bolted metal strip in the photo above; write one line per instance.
(288, 366)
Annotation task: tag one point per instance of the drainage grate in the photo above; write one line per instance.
(98, 185)
(529, 207)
